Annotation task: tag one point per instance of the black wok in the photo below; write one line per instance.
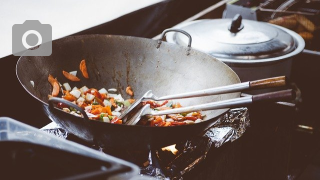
(120, 61)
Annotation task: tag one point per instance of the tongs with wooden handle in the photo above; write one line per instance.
(230, 103)
(250, 85)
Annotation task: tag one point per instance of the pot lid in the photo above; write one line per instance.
(237, 39)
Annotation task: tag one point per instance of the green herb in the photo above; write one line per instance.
(101, 116)
(184, 114)
(73, 109)
(95, 102)
(110, 117)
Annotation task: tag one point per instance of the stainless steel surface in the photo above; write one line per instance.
(176, 30)
(206, 92)
(146, 110)
(119, 62)
(210, 45)
(256, 40)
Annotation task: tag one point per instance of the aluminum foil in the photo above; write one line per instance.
(189, 154)
(164, 164)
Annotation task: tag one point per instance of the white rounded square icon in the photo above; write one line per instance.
(32, 39)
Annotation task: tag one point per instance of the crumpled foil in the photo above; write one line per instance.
(228, 128)
(56, 130)
(163, 164)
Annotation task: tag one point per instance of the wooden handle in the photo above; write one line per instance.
(268, 83)
(283, 95)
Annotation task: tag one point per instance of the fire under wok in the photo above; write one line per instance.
(121, 61)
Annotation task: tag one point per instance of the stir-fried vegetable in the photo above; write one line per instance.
(70, 76)
(106, 106)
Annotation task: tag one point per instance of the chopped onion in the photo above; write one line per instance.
(106, 119)
(66, 86)
(75, 88)
(81, 99)
(32, 83)
(84, 89)
(88, 108)
(74, 113)
(66, 110)
(198, 120)
(114, 113)
(118, 109)
(126, 103)
(169, 120)
(117, 97)
(89, 97)
(107, 103)
(103, 91)
(76, 93)
(112, 90)
(73, 73)
(189, 122)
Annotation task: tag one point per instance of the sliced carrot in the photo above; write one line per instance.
(51, 79)
(55, 90)
(70, 76)
(83, 69)
(69, 96)
(113, 102)
(107, 109)
(129, 91)
(55, 85)
(177, 105)
(131, 101)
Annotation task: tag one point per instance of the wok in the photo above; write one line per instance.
(120, 61)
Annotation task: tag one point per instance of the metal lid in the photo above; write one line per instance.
(240, 40)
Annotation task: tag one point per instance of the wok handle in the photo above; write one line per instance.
(283, 95)
(257, 84)
(176, 30)
(68, 103)
(269, 82)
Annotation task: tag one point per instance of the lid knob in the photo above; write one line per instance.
(236, 24)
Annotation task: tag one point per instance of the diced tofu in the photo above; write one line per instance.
(73, 73)
(84, 89)
(76, 93)
(66, 86)
(89, 97)
(103, 91)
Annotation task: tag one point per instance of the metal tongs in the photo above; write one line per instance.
(230, 103)
(133, 114)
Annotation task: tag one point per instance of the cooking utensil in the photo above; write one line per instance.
(257, 84)
(121, 61)
(254, 50)
(230, 103)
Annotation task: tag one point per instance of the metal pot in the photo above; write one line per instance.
(254, 50)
